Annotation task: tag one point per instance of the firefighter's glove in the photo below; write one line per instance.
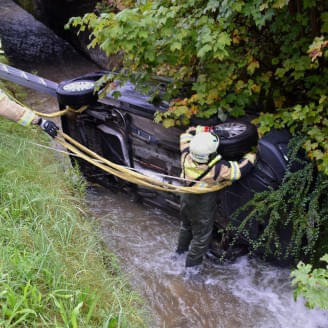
(251, 157)
(48, 126)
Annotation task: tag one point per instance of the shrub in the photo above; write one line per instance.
(292, 219)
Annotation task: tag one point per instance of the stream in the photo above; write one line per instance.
(247, 293)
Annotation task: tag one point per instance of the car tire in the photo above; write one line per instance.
(77, 92)
(213, 120)
(239, 139)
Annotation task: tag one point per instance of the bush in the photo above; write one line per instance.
(292, 219)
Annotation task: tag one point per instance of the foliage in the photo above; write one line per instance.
(312, 284)
(310, 120)
(291, 225)
(268, 55)
(54, 272)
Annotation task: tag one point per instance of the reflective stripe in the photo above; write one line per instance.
(238, 171)
(232, 170)
(27, 118)
(214, 160)
(185, 138)
(235, 171)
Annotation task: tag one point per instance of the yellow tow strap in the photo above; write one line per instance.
(62, 112)
(120, 171)
(51, 115)
(129, 174)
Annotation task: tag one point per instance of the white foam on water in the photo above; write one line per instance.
(269, 288)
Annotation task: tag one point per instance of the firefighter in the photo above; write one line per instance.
(24, 116)
(201, 162)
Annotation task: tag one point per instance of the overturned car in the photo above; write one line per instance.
(123, 131)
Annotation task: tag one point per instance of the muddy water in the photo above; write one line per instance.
(247, 294)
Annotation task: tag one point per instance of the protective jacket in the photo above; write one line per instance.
(15, 112)
(220, 169)
(198, 210)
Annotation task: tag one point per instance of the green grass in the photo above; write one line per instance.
(54, 271)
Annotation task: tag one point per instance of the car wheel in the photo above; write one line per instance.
(237, 137)
(76, 92)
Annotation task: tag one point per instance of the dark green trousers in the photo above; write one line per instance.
(197, 220)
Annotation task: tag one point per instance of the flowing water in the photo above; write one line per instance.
(247, 294)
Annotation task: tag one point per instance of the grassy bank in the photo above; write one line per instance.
(53, 270)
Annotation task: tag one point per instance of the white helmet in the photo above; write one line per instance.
(202, 145)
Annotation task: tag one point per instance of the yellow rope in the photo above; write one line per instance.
(120, 171)
(62, 112)
(129, 174)
(51, 115)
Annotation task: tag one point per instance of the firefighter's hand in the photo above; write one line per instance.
(49, 127)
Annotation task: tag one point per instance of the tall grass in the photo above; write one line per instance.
(54, 271)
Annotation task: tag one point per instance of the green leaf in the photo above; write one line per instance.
(223, 40)
(113, 323)
(168, 122)
(280, 3)
(252, 66)
(176, 46)
(202, 52)
(75, 314)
